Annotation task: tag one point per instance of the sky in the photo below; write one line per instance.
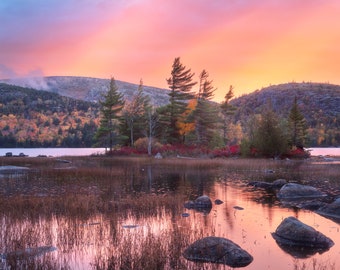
(248, 44)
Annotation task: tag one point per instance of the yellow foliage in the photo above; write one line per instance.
(184, 126)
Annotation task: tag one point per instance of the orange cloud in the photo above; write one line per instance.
(247, 44)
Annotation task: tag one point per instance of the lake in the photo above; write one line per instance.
(57, 152)
(54, 152)
(127, 213)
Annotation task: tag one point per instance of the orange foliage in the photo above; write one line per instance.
(183, 125)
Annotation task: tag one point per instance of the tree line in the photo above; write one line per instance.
(191, 118)
(32, 118)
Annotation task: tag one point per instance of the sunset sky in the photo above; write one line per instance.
(249, 44)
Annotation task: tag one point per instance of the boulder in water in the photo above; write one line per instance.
(331, 211)
(293, 234)
(217, 250)
(292, 191)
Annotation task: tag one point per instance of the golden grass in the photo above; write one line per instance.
(70, 195)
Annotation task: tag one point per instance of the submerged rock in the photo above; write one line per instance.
(331, 210)
(218, 202)
(293, 235)
(28, 252)
(292, 191)
(9, 169)
(217, 250)
(201, 203)
(277, 184)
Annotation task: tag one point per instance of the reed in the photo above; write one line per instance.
(84, 204)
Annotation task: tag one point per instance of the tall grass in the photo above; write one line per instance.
(82, 206)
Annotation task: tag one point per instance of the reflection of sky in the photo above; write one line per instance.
(251, 228)
(80, 241)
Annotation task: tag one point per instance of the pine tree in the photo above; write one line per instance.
(180, 84)
(269, 138)
(205, 113)
(227, 110)
(297, 126)
(135, 113)
(111, 107)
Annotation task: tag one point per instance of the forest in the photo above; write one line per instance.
(270, 122)
(32, 118)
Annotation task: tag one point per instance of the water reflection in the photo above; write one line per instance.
(130, 216)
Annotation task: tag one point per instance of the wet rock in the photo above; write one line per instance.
(63, 160)
(202, 202)
(331, 210)
(218, 202)
(28, 252)
(13, 169)
(277, 184)
(292, 191)
(130, 226)
(294, 235)
(299, 251)
(260, 184)
(217, 250)
(189, 205)
(158, 156)
(310, 205)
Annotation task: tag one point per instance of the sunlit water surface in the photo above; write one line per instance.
(83, 240)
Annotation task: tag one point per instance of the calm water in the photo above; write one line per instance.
(95, 210)
(56, 152)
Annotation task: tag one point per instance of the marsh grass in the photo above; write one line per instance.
(314, 264)
(83, 204)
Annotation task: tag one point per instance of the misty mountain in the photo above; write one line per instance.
(88, 89)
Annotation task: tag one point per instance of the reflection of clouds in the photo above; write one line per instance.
(137, 219)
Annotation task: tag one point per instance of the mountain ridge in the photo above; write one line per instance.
(318, 102)
(88, 88)
(311, 98)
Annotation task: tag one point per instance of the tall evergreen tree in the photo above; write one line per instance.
(180, 84)
(135, 113)
(227, 110)
(297, 126)
(111, 107)
(205, 113)
(269, 138)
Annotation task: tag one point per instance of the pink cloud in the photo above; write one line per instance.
(249, 44)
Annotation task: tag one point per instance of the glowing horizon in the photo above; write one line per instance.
(247, 44)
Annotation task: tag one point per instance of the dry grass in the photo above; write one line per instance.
(69, 204)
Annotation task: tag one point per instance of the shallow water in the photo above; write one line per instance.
(112, 210)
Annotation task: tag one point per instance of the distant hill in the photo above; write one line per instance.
(88, 89)
(34, 118)
(318, 102)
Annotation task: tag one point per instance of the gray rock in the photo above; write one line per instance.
(331, 210)
(28, 252)
(292, 191)
(277, 184)
(217, 250)
(158, 156)
(292, 232)
(202, 202)
(218, 201)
